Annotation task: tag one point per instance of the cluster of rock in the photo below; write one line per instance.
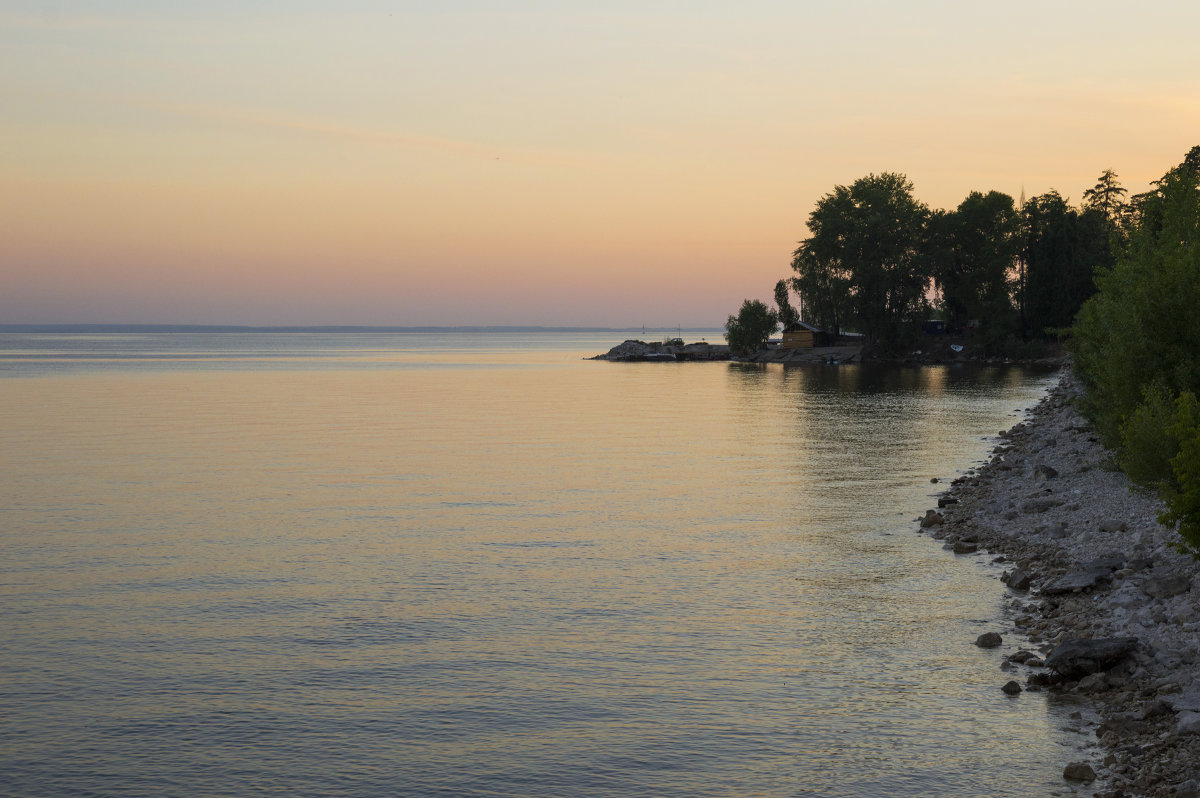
(1104, 601)
(675, 350)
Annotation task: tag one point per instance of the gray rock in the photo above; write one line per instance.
(1111, 563)
(1011, 687)
(989, 640)
(1188, 723)
(946, 502)
(1075, 658)
(1042, 679)
(1079, 771)
(964, 547)
(932, 518)
(1018, 579)
(1114, 526)
(1187, 789)
(1078, 580)
(1022, 656)
(1120, 725)
(1162, 587)
(1156, 709)
(1056, 531)
(1040, 505)
(1042, 472)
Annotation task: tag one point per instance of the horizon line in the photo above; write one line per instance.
(328, 328)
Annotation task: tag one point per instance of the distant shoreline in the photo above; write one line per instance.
(330, 328)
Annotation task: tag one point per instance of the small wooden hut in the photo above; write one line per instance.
(803, 336)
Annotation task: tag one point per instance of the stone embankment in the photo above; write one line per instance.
(1103, 603)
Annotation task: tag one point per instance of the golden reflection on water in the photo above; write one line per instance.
(510, 573)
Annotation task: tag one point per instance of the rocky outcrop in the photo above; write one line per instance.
(670, 351)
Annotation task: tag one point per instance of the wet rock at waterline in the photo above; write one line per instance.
(1077, 658)
(989, 640)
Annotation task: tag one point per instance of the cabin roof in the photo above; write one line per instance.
(801, 326)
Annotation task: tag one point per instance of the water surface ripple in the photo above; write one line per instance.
(477, 565)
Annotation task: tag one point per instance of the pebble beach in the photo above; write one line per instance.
(1103, 603)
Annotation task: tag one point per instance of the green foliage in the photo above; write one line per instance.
(748, 331)
(786, 314)
(863, 260)
(1183, 497)
(1136, 345)
(1147, 439)
(1143, 327)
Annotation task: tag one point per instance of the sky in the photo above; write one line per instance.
(529, 162)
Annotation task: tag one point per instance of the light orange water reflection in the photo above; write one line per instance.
(507, 573)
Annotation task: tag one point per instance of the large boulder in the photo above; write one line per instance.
(1167, 586)
(989, 640)
(1096, 573)
(1078, 580)
(1075, 658)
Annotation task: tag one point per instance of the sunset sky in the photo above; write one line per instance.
(521, 162)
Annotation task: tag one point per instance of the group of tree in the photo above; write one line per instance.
(1121, 275)
(1136, 345)
(879, 260)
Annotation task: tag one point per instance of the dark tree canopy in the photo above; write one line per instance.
(1063, 250)
(1107, 196)
(863, 261)
(973, 254)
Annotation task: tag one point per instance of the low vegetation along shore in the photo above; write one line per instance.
(1103, 601)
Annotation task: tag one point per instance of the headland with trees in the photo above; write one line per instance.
(1117, 277)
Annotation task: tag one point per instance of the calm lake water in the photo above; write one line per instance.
(468, 564)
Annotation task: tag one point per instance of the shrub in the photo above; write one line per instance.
(1183, 497)
(748, 331)
(1148, 440)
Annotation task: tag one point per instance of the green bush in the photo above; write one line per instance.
(748, 331)
(1183, 496)
(1148, 441)
(1142, 328)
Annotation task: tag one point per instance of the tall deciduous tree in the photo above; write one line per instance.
(974, 253)
(786, 314)
(864, 256)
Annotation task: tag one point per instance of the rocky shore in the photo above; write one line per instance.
(1103, 605)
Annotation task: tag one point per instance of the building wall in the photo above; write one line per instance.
(797, 340)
